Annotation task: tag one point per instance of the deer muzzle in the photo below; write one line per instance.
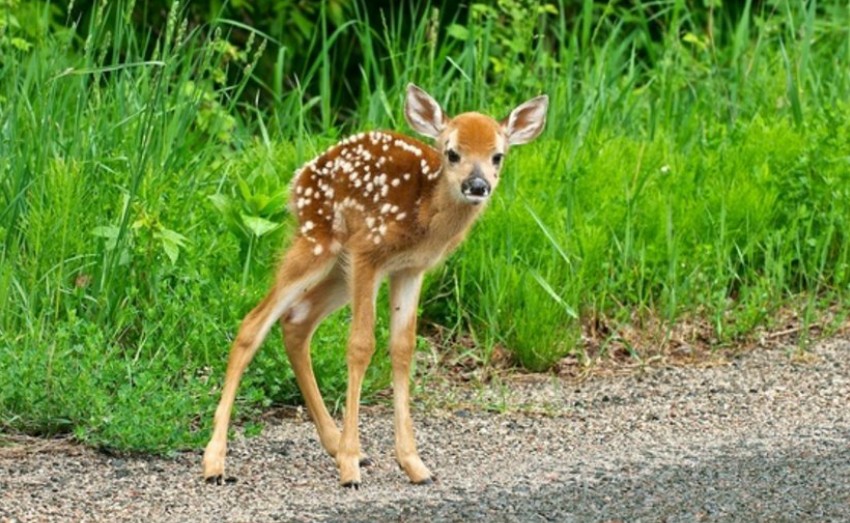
(475, 188)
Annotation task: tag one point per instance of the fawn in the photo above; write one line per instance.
(375, 205)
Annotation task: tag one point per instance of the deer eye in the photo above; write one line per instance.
(453, 156)
(497, 159)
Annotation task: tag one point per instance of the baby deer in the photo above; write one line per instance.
(375, 205)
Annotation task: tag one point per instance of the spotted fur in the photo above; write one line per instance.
(364, 188)
(375, 205)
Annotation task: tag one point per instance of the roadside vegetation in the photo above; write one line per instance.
(695, 170)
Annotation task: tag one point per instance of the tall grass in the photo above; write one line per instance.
(694, 167)
(691, 175)
(122, 279)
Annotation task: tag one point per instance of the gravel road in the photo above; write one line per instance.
(761, 437)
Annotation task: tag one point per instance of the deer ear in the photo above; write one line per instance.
(526, 122)
(423, 113)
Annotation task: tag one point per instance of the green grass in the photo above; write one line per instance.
(683, 174)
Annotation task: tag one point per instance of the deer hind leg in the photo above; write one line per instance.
(364, 283)
(299, 324)
(300, 271)
(404, 298)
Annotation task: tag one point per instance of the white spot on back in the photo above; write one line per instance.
(307, 227)
(401, 144)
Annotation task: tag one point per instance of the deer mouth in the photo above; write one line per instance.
(473, 199)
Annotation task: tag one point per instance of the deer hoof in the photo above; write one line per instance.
(214, 480)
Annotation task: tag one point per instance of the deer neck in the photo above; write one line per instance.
(444, 216)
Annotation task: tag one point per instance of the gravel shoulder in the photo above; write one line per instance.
(763, 436)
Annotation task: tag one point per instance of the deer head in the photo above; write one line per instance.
(473, 145)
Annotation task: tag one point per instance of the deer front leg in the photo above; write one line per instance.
(361, 346)
(404, 292)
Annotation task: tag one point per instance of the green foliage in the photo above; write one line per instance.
(258, 203)
(505, 33)
(25, 24)
(694, 166)
(672, 233)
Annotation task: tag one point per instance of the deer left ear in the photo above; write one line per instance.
(526, 122)
(423, 113)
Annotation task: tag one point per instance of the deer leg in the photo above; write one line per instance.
(300, 271)
(361, 345)
(404, 299)
(298, 328)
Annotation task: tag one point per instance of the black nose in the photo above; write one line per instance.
(475, 186)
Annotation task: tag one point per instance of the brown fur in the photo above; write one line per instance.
(476, 132)
(375, 205)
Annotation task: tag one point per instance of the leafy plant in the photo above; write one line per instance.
(255, 209)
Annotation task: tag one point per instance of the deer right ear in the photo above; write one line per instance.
(526, 122)
(423, 113)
